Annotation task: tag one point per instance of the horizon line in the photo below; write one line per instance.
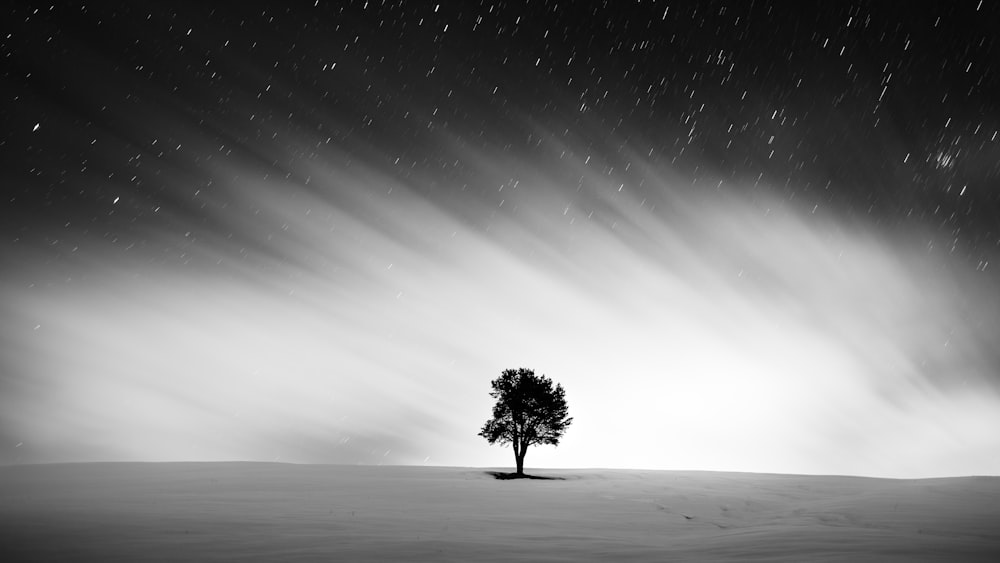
(484, 468)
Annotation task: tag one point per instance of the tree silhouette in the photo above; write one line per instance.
(528, 411)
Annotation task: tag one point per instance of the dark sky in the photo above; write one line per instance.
(239, 216)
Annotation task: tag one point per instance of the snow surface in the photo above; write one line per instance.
(282, 512)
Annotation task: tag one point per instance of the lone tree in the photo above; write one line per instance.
(528, 411)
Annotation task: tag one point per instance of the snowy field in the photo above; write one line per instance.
(281, 512)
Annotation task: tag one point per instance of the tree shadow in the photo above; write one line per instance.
(508, 476)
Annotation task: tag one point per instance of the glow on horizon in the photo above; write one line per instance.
(352, 320)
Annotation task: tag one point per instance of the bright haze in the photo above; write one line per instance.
(742, 237)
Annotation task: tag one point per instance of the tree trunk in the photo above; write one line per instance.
(519, 459)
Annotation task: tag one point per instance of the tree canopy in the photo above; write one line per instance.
(529, 410)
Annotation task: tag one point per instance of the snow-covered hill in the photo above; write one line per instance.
(281, 512)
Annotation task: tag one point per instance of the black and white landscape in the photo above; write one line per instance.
(754, 239)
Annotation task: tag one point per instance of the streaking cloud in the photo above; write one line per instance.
(342, 315)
